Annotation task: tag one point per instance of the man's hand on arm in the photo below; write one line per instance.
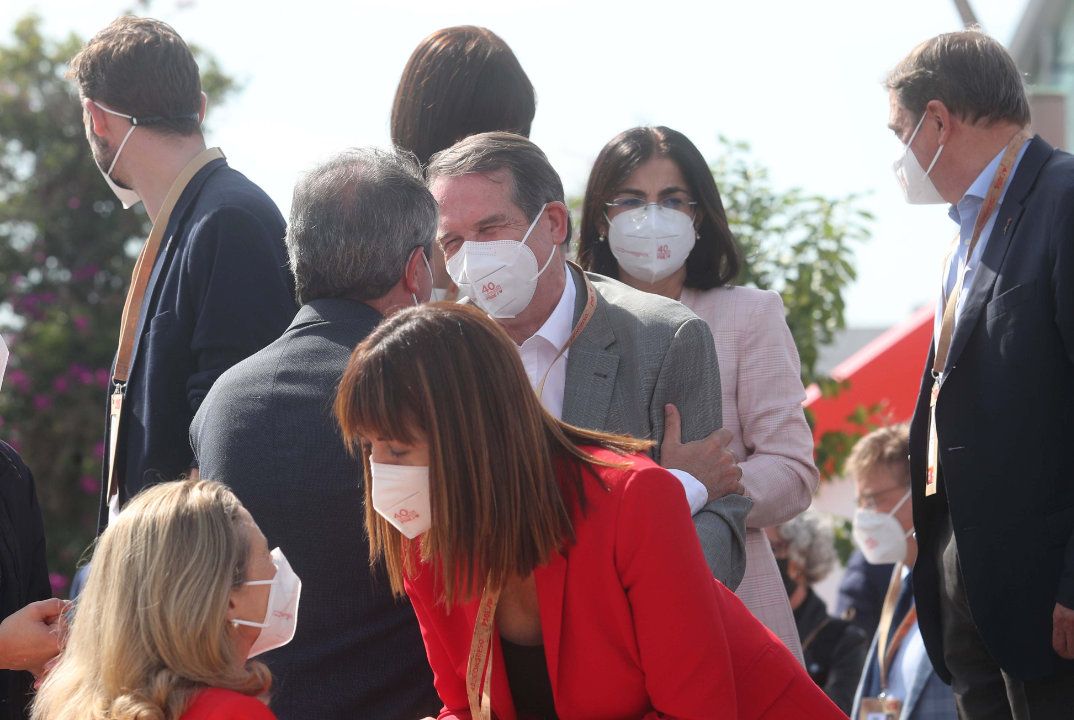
(30, 637)
(708, 459)
(1063, 631)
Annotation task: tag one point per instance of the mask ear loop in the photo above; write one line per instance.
(526, 237)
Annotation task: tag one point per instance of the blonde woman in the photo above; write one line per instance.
(183, 591)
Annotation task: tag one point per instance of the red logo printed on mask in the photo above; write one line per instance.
(663, 252)
(491, 290)
(404, 516)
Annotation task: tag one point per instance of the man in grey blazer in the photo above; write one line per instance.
(601, 355)
(361, 228)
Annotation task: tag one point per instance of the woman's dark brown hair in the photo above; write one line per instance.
(449, 374)
(458, 82)
(714, 261)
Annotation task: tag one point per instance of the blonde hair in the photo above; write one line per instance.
(504, 475)
(151, 625)
(887, 447)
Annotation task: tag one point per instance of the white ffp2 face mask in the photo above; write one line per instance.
(652, 242)
(500, 276)
(281, 615)
(401, 496)
(880, 536)
(127, 197)
(917, 186)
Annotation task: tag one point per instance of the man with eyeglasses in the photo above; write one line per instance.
(898, 682)
(600, 354)
(211, 284)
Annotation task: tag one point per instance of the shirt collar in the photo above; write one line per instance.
(975, 193)
(557, 328)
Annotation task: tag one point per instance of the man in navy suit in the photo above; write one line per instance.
(992, 440)
(362, 227)
(211, 286)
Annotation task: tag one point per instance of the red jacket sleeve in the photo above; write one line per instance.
(680, 634)
(448, 678)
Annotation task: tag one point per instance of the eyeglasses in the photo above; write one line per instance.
(679, 202)
(868, 502)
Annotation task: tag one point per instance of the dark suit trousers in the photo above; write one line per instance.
(983, 691)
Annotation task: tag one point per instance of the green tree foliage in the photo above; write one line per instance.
(66, 254)
(794, 242)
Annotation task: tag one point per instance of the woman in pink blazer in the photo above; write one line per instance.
(554, 571)
(653, 219)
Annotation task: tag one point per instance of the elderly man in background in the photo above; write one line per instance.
(361, 229)
(600, 354)
(834, 649)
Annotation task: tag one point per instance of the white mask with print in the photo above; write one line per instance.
(652, 242)
(401, 496)
(917, 186)
(500, 276)
(880, 536)
(281, 615)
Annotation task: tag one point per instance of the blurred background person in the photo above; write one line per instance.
(29, 633)
(834, 649)
(861, 591)
(183, 592)
(595, 599)
(459, 81)
(653, 219)
(362, 224)
(897, 666)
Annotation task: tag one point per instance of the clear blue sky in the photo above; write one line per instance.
(799, 81)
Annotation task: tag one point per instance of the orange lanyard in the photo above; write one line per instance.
(132, 307)
(887, 649)
(583, 320)
(999, 180)
(479, 663)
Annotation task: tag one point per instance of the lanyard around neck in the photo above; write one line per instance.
(995, 189)
(583, 320)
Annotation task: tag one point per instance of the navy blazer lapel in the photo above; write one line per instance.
(999, 240)
(591, 365)
(168, 247)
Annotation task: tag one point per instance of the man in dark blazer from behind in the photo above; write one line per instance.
(211, 286)
(994, 578)
(361, 227)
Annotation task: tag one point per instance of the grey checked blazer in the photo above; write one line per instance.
(639, 352)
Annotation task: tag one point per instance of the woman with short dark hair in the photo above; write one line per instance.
(554, 570)
(653, 219)
(459, 81)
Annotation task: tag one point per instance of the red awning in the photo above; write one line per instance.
(886, 372)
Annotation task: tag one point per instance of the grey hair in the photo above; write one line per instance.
(810, 544)
(535, 180)
(355, 220)
(969, 72)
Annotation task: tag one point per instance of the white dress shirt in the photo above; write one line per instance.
(539, 358)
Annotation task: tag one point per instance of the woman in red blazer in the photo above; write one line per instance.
(554, 571)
